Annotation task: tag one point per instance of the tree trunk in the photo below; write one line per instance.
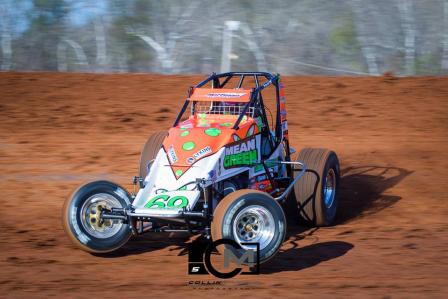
(406, 9)
(444, 65)
(162, 54)
(5, 38)
(367, 47)
(100, 39)
(253, 46)
(79, 53)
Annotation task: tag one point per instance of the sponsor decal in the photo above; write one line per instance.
(172, 155)
(199, 154)
(242, 153)
(259, 178)
(200, 258)
(267, 83)
(260, 182)
(164, 201)
(262, 186)
(269, 163)
(225, 95)
(202, 152)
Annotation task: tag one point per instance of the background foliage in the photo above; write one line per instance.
(340, 37)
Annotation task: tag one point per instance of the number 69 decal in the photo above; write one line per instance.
(163, 201)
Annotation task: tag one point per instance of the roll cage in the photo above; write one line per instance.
(262, 80)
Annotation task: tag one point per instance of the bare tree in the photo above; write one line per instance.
(162, 54)
(406, 9)
(365, 39)
(444, 64)
(191, 36)
(5, 36)
(165, 45)
(253, 47)
(100, 39)
(79, 53)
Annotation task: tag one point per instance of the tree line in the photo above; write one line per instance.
(341, 37)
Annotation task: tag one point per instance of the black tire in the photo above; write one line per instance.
(310, 189)
(228, 209)
(80, 231)
(150, 150)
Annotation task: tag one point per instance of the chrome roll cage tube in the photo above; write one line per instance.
(288, 189)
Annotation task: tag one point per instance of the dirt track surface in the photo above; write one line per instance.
(58, 130)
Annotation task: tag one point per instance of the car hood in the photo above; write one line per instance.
(199, 137)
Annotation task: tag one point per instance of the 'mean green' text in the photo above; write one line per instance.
(241, 159)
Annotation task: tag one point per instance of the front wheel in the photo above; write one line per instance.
(82, 217)
(250, 216)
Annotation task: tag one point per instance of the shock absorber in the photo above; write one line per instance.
(207, 208)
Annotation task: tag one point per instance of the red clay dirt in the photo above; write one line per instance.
(58, 130)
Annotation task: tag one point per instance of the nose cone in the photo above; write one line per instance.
(201, 136)
(186, 145)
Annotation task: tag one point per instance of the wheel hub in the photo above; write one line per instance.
(329, 188)
(95, 217)
(254, 224)
(91, 212)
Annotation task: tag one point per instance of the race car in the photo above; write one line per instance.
(224, 170)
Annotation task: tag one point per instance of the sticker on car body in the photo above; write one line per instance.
(242, 153)
(170, 202)
(172, 155)
(165, 201)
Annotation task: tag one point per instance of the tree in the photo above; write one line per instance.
(46, 28)
(5, 28)
(406, 9)
(361, 18)
(444, 64)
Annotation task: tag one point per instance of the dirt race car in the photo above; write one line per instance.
(224, 170)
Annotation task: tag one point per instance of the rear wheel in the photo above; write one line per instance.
(149, 152)
(82, 217)
(250, 216)
(317, 191)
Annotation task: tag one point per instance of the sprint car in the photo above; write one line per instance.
(224, 170)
